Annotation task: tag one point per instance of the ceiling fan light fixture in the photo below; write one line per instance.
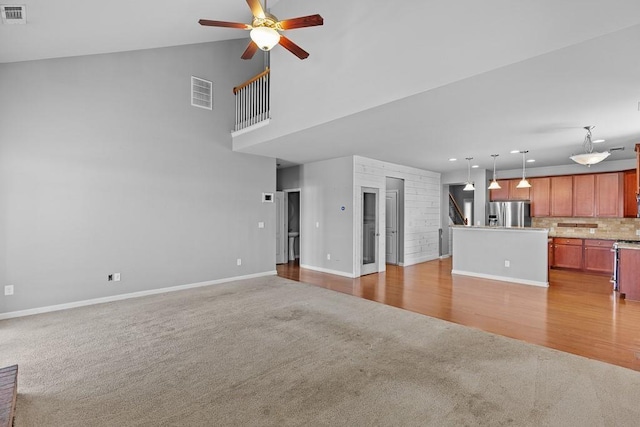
(590, 157)
(265, 37)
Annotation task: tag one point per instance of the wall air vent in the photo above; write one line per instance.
(201, 93)
(13, 14)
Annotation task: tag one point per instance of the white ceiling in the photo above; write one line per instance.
(502, 75)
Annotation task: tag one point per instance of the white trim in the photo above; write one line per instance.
(249, 128)
(326, 270)
(102, 300)
(501, 278)
(419, 260)
(293, 190)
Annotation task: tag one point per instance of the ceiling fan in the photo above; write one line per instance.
(265, 30)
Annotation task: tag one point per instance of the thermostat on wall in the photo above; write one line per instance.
(267, 197)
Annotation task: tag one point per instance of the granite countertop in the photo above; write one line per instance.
(629, 245)
(492, 227)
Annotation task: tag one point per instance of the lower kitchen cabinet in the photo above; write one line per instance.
(629, 271)
(598, 257)
(567, 253)
(589, 255)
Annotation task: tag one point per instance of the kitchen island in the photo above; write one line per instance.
(510, 254)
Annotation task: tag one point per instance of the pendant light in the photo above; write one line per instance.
(523, 183)
(589, 157)
(469, 186)
(494, 184)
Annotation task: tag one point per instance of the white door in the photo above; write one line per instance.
(281, 228)
(391, 228)
(369, 231)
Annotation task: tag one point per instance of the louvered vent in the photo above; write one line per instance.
(201, 93)
(13, 14)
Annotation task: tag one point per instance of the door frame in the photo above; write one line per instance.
(371, 267)
(396, 238)
(295, 190)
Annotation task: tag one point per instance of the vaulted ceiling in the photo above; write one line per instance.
(413, 82)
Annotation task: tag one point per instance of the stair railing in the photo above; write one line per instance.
(455, 213)
(252, 101)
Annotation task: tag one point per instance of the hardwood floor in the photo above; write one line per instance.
(579, 313)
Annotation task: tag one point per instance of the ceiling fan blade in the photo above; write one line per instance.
(293, 48)
(251, 50)
(209, 23)
(301, 22)
(256, 8)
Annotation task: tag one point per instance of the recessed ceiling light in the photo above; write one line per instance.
(475, 166)
(452, 159)
(515, 151)
(531, 160)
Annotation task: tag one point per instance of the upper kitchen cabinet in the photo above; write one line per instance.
(517, 193)
(630, 202)
(610, 194)
(540, 196)
(501, 193)
(561, 196)
(584, 195)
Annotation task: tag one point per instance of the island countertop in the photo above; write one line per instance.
(496, 228)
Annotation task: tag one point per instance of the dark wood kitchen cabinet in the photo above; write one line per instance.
(567, 253)
(609, 194)
(598, 257)
(629, 271)
(630, 201)
(561, 196)
(584, 194)
(501, 193)
(516, 193)
(540, 197)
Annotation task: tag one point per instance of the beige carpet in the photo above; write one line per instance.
(272, 352)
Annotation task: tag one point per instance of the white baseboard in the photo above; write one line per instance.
(112, 298)
(501, 278)
(326, 270)
(418, 260)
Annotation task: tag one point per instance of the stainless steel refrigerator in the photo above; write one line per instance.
(509, 214)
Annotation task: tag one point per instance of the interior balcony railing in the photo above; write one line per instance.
(252, 101)
(455, 213)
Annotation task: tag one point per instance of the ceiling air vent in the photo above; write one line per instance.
(13, 14)
(201, 93)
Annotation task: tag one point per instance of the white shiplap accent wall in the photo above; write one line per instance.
(421, 211)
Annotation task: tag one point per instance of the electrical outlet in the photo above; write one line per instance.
(507, 263)
(239, 261)
(116, 277)
(328, 256)
(8, 290)
(637, 232)
(592, 230)
(317, 224)
(261, 224)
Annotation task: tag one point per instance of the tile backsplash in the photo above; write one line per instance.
(607, 228)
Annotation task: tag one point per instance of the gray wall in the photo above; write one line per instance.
(482, 252)
(105, 167)
(327, 186)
